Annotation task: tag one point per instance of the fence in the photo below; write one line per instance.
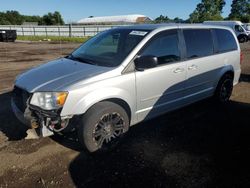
(66, 31)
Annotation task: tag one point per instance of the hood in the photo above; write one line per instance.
(56, 75)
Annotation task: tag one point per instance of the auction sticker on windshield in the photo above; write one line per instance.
(140, 33)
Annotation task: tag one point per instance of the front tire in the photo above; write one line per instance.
(102, 126)
(243, 38)
(224, 89)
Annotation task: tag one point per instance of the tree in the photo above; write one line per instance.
(36, 19)
(52, 19)
(240, 10)
(178, 20)
(207, 10)
(15, 18)
(162, 19)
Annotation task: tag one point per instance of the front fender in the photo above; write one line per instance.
(99, 95)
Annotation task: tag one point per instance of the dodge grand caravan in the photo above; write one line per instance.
(126, 75)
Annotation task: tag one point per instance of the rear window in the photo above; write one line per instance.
(199, 42)
(225, 40)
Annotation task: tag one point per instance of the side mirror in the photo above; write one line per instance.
(145, 62)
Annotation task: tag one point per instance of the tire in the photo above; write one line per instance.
(242, 39)
(224, 89)
(102, 126)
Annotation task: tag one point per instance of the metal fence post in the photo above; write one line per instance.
(59, 31)
(97, 29)
(84, 31)
(46, 32)
(22, 31)
(34, 31)
(70, 30)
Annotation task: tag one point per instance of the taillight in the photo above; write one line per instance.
(241, 58)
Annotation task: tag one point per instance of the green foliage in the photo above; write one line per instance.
(53, 38)
(207, 10)
(162, 19)
(240, 10)
(165, 19)
(11, 17)
(15, 18)
(52, 19)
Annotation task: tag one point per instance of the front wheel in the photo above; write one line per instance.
(243, 39)
(102, 126)
(224, 89)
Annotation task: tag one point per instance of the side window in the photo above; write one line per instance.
(225, 40)
(165, 47)
(199, 42)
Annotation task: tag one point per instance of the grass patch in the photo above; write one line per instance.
(53, 38)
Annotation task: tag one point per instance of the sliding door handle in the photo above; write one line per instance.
(193, 67)
(179, 70)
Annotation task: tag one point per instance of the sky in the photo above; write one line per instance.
(74, 10)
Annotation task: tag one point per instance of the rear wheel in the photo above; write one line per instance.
(103, 126)
(224, 89)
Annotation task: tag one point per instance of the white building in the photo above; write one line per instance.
(123, 19)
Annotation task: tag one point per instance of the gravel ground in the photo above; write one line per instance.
(201, 145)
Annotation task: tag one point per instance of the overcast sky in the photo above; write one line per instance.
(74, 10)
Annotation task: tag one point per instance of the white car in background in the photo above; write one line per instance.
(237, 26)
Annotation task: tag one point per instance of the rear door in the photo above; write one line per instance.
(202, 65)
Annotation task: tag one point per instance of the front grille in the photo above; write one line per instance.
(20, 98)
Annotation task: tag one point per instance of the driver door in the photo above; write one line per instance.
(161, 88)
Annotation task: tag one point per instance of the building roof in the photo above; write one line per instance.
(135, 18)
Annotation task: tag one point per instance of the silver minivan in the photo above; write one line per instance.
(124, 76)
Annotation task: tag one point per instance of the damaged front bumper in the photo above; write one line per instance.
(46, 123)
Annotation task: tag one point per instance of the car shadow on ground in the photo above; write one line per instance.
(9, 125)
(202, 145)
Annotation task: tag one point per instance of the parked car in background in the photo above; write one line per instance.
(247, 27)
(237, 26)
(8, 35)
(126, 75)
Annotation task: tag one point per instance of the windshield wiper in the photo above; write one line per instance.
(82, 60)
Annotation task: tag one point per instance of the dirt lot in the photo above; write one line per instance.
(202, 145)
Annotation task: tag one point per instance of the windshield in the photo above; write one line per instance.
(239, 28)
(109, 48)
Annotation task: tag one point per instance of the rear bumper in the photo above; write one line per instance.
(237, 76)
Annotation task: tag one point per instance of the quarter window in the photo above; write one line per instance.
(225, 40)
(199, 42)
(165, 47)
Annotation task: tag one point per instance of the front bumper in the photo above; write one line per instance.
(19, 114)
(42, 130)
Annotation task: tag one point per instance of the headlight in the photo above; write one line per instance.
(49, 100)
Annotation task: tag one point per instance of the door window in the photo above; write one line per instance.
(165, 46)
